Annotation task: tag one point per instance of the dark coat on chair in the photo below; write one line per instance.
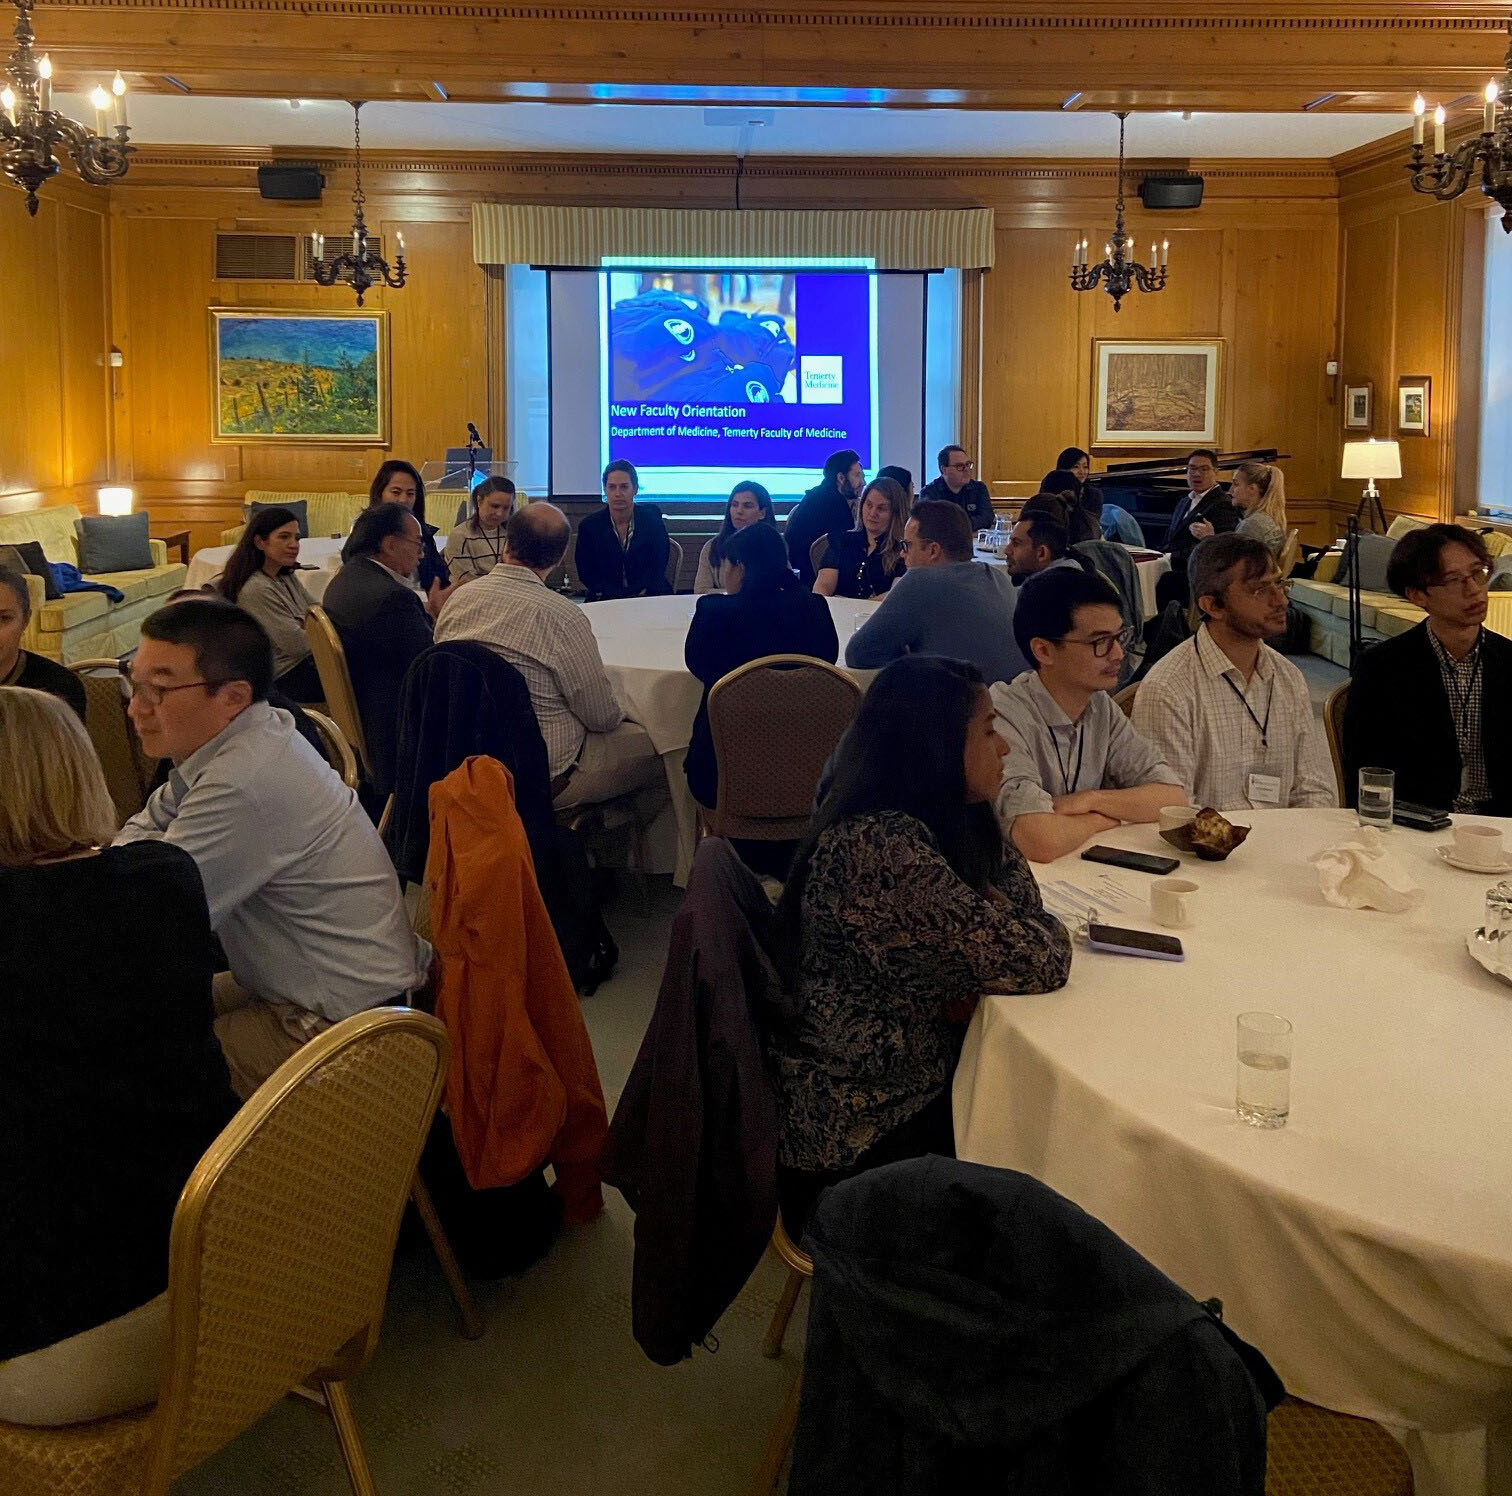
(971, 1330)
(1397, 717)
(730, 631)
(607, 569)
(383, 626)
(693, 1143)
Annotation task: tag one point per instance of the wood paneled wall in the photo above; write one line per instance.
(55, 433)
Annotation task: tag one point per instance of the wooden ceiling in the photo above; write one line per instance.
(1177, 54)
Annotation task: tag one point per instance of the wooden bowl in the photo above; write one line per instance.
(1180, 837)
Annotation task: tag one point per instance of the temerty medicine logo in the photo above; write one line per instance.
(820, 379)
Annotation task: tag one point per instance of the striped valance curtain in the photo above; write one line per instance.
(926, 239)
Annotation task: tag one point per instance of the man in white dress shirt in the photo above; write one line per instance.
(593, 752)
(301, 892)
(1231, 716)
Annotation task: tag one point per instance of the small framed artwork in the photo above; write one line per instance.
(1414, 405)
(1359, 406)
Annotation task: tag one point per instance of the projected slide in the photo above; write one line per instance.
(746, 371)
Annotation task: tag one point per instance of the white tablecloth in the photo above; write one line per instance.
(1150, 572)
(641, 641)
(1366, 1247)
(319, 551)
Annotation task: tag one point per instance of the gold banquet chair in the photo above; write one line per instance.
(800, 1268)
(339, 753)
(775, 723)
(674, 561)
(816, 553)
(1312, 1452)
(128, 770)
(278, 1264)
(336, 682)
(1333, 729)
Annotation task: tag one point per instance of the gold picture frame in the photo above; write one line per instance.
(282, 376)
(1359, 405)
(1414, 405)
(1151, 392)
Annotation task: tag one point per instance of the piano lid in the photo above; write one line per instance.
(1173, 467)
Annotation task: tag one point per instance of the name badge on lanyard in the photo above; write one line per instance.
(1264, 789)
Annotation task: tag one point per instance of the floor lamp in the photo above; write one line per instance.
(1371, 460)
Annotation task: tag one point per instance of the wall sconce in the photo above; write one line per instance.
(114, 500)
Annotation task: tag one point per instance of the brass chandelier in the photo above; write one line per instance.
(1486, 157)
(30, 129)
(1119, 273)
(363, 267)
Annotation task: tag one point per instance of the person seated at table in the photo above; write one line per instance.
(383, 623)
(622, 550)
(1227, 713)
(1077, 462)
(945, 604)
(262, 575)
(766, 612)
(866, 561)
(475, 547)
(400, 483)
(1081, 523)
(1435, 704)
(955, 485)
(902, 907)
(111, 1082)
(749, 504)
(20, 667)
(1203, 513)
(1075, 765)
(301, 891)
(827, 507)
(1037, 543)
(593, 751)
(903, 478)
(1258, 491)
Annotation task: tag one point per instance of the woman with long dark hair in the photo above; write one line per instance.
(764, 610)
(1083, 503)
(749, 504)
(903, 905)
(866, 561)
(476, 546)
(262, 576)
(398, 482)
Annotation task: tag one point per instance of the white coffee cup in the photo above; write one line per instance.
(1172, 816)
(1481, 846)
(1172, 902)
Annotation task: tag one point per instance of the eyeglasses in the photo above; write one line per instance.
(152, 696)
(1466, 581)
(1101, 645)
(960, 467)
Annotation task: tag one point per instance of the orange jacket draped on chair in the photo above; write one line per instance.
(523, 1086)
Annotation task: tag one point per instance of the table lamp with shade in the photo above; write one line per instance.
(114, 500)
(1371, 460)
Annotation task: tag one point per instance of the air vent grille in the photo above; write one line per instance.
(256, 257)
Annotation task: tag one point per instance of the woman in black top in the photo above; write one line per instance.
(866, 561)
(112, 1084)
(398, 482)
(622, 550)
(20, 667)
(764, 610)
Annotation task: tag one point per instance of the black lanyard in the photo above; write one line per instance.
(1459, 703)
(1263, 728)
(1069, 781)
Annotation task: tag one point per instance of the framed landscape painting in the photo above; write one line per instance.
(300, 376)
(1414, 411)
(1156, 394)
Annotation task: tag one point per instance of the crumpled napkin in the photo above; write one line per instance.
(1361, 874)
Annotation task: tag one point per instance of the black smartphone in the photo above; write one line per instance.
(1420, 817)
(1141, 862)
(1120, 942)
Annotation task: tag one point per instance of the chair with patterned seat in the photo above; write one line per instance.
(128, 770)
(336, 682)
(278, 1264)
(1312, 1452)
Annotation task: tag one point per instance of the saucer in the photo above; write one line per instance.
(1488, 956)
(1447, 853)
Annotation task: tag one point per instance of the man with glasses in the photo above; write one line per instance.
(1204, 512)
(957, 485)
(1435, 704)
(1231, 716)
(1075, 766)
(301, 892)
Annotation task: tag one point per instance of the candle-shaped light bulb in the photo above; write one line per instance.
(118, 93)
(1489, 123)
(1438, 130)
(101, 101)
(1165, 250)
(8, 103)
(1419, 113)
(400, 238)
(1107, 250)
(317, 242)
(44, 83)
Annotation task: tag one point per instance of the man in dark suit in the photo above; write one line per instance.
(1435, 704)
(1205, 511)
(383, 623)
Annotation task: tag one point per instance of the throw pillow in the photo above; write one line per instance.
(113, 542)
(1375, 552)
(31, 558)
(299, 508)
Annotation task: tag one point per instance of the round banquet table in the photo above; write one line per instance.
(641, 641)
(320, 553)
(1366, 1247)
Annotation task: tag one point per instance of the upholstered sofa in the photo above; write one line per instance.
(328, 513)
(1382, 614)
(86, 625)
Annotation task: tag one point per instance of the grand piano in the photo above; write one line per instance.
(1150, 491)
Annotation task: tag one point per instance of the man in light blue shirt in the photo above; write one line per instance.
(301, 892)
(944, 604)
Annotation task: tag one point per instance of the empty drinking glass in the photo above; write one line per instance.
(1265, 1045)
(1377, 793)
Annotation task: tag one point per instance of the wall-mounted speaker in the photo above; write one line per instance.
(295, 184)
(1182, 190)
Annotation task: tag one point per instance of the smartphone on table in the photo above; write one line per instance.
(1140, 862)
(1121, 942)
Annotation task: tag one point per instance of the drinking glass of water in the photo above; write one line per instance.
(1265, 1045)
(1377, 792)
